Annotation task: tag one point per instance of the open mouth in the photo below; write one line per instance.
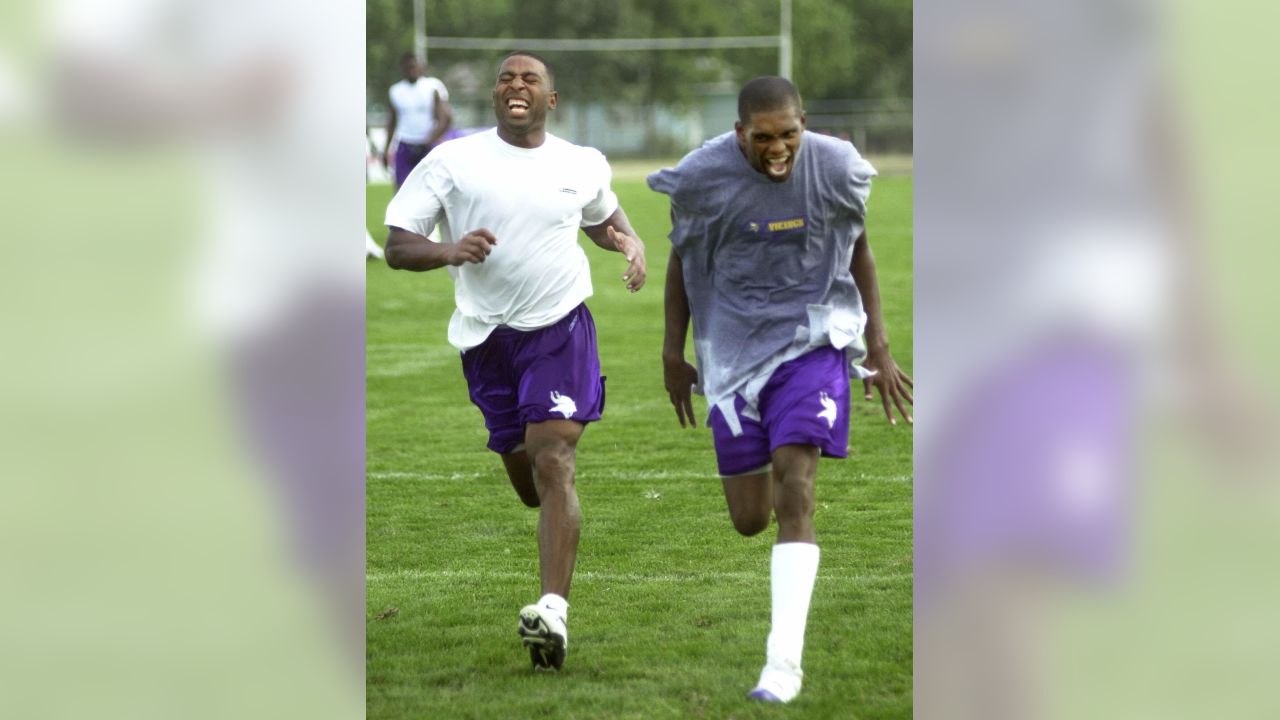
(777, 167)
(517, 107)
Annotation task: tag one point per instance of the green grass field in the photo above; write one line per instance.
(670, 606)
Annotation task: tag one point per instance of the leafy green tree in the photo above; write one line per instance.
(841, 48)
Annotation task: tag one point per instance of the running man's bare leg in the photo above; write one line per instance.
(794, 469)
(552, 447)
(520, 471)
(750, 499)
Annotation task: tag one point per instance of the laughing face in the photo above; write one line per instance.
(521, 99)
(770, 140)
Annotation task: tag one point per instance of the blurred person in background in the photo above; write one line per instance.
(770, 259)
(1025, 463)
(418, 117)
(509, 203)
(282, 327)
(204, 138)
(1063, 302)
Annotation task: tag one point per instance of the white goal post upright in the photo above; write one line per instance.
(420, 30)
(784, 41)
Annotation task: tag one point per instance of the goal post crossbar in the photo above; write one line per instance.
(597, 44)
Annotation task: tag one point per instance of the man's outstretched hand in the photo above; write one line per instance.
(891, 381)
(680, 377)
(632, 249)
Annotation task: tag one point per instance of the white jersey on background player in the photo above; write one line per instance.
(415, 106)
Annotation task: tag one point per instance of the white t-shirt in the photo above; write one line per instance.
(415, 105)
(533, 201)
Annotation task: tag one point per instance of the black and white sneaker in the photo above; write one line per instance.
(543, 631)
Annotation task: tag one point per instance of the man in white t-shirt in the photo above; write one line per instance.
(509, 203)
(419, 117)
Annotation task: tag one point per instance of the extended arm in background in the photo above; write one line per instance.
(442, 116)
(391, 134)
(889, 379)
(616, 234)
(410, 251)
(678, 375)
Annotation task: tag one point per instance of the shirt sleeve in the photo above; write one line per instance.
(682, 183)
(686, 222)
(687, 230)
(444, 91)
(605, 202)
(419, 204)
(663, 181)
(854, 186)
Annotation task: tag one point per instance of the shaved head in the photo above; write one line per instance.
(766, 94)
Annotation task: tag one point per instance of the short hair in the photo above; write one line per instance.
(407, 56)
(551, 74)
(765, 94)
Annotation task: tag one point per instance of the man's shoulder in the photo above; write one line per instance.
(714, 151)
(833, 156)
(713, 156)
(836, 150)
(828, 146)
(581, 153)
(562, 145)
(463, 149)
(710, 162)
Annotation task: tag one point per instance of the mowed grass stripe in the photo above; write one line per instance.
(593, 576)
(616, 475)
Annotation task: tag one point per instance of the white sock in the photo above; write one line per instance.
(555, 603)
(792, 571)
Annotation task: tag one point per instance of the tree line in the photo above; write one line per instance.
(841, 48)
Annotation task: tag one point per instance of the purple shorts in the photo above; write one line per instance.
(805, 402)
(406, 158)
(553, 373)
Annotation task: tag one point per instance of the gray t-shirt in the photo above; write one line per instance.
(766, 265)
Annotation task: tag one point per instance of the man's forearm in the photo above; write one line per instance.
(675, 309)
(435, 136)
(599, 234)
(411, 251)
(441, 123)
(864, 274)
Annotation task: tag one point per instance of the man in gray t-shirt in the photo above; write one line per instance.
(770, 259)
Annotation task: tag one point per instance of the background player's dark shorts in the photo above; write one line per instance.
(553, 373)
(406, 157)
(805, 402)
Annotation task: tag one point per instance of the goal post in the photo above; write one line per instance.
(782, 41)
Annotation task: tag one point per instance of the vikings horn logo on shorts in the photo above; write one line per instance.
(828, 411)
(563, 404)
